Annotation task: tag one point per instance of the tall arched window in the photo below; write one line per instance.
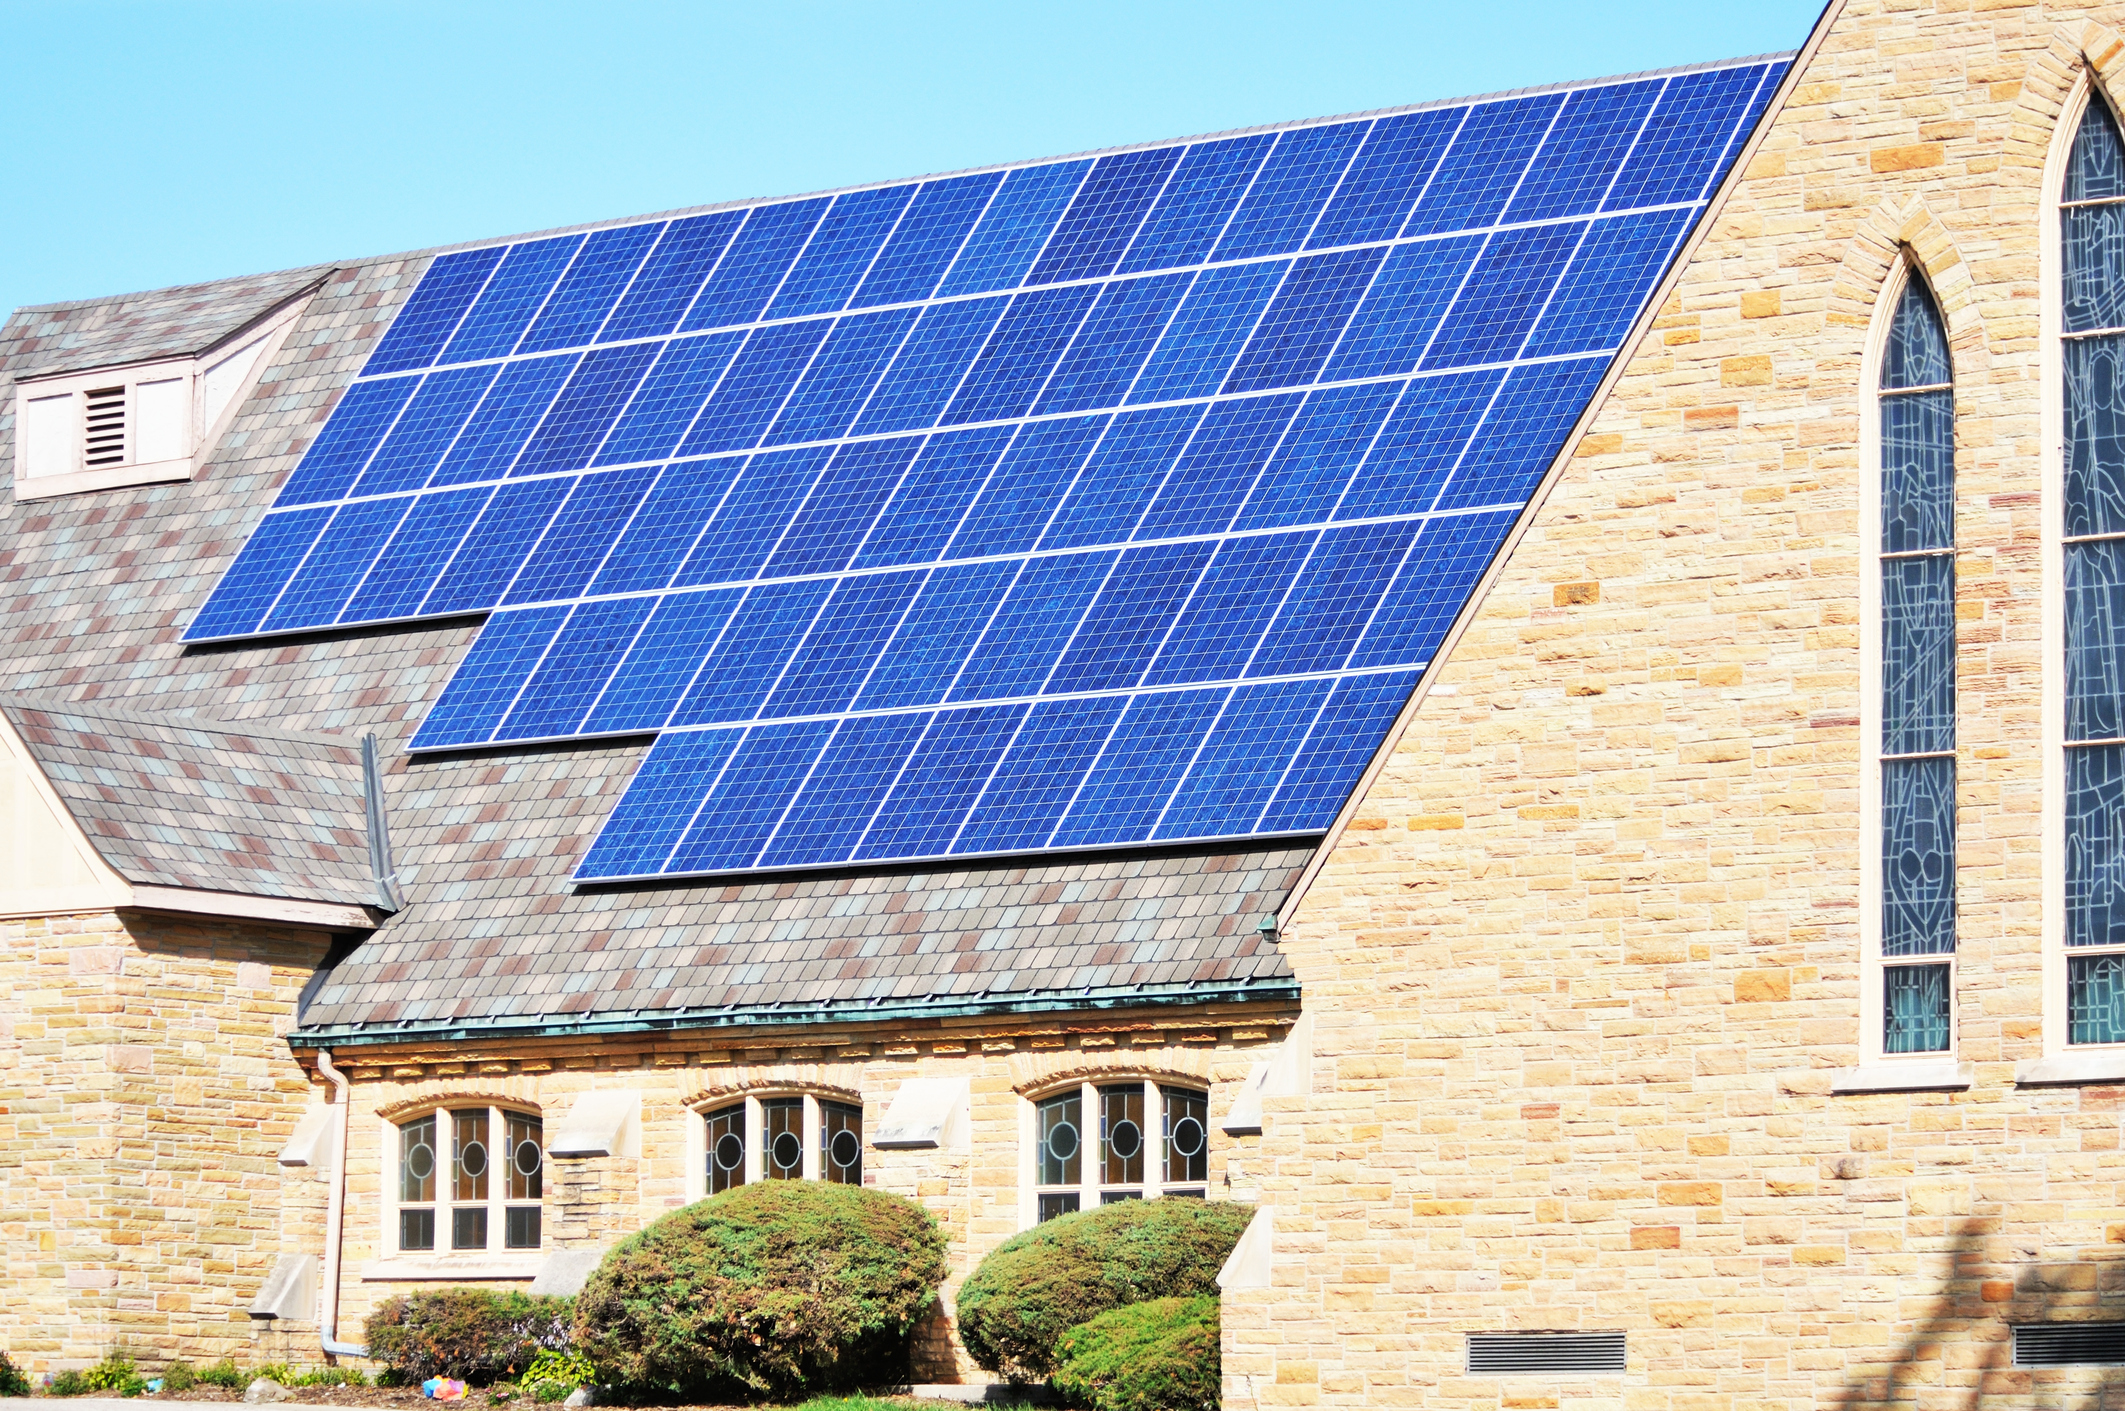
(1915, 744)
(2092, 570)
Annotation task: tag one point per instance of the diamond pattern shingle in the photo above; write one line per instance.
(95, 588)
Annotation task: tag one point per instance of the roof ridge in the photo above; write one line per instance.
(12, 701)
(321, 269)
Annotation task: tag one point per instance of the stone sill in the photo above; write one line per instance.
(1902, 1078)
(423, 1268)
(2102, 1065)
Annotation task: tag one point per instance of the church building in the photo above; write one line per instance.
(1532, 686)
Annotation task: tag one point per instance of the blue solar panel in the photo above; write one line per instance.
(1093, 503)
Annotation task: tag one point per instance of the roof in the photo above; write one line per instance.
(497, 932)
(182, 803)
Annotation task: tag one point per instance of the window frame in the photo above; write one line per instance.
(755, 1101)
(1090, 1189)
(2056, 954)
(1874, 965)
(498, 1202)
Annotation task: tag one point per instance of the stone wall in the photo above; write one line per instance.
(145, 1092)
(1584, 959)
(973, 1188)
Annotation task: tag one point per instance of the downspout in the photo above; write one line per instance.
(335, 1218)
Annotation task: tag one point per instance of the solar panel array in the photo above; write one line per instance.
(1087, 503)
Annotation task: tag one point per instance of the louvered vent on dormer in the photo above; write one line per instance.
(2069, 1345)
(1540, 1354)
(103, 441)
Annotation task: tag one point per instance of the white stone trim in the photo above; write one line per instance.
(2105, 1064)
(1904, 1077)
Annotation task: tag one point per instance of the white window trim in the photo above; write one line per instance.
(442, 1257)
(204, 425)
(1089, 1186)
(756, 1133)
(1880, 1070)
(2088, 1058)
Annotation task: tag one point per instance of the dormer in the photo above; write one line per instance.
(139, 423)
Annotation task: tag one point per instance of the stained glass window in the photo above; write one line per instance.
(1917, 745)
(2092, 227)
(1098, 1144)
(782, 1138)
(465, 1172)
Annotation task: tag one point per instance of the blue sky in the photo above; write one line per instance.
(161, 143)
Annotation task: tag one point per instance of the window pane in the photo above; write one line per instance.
(416, 1229)
(841, 1143)
(782, 1129)
(2095, 846)
(1918, 654)
(726, 1148)
(1121, 1130)
(2095, 999)
(468, 1155)
(2097, 170)
(1918, 857)
(527, 1157)
(1915, 1009)
(1187, 1128)
(1918, 472)
(1061, 1142)
(1061, 1203)
(2091, 289)
(1917, 355)
(1117, 1197)
(468, 1227)
(416, 1166)
(523, 1226)
(2095, 640)
(2095, 436)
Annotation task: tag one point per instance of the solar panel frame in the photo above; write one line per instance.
(964, 451)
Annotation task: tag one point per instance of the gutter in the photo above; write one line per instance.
(335, 1218)
(388, 899)
(781, 1016)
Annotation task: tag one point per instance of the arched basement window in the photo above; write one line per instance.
(2092, 290)
(1916, 744)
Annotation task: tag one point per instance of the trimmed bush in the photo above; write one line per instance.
(778, 1288)
(13, 1381)
(1155, 1356)
(1036, 1286)
(474, 1335)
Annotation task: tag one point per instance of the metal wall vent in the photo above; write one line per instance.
(1539, 1354)
(2069, 1345)
(104, 441)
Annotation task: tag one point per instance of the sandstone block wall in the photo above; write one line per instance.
(1584, 960)
(145, 1092)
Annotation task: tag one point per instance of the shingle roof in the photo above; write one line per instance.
(184, 803)
(94, 589)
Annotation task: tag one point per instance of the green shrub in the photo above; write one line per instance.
(553, 1375)
(274, 1372)
(1156, 1356)
(180, 1375)
(222, 1374)
(776, 1288)
(68, 1383)
(474, 1335)
(1036, 1286)
(13, 1382)
(326, 1377)
(115, 1373)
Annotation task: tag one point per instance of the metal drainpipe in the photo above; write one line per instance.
(335, 1219)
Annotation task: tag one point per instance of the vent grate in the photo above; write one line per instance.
(1535, 1354)
(2069, 1345)
(104, 443)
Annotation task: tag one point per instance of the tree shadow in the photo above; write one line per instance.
(1959, 1352)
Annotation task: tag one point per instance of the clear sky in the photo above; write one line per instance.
(168, 141)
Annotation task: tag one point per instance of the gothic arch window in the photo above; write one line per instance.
(2091, 528)
(1913, 561)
